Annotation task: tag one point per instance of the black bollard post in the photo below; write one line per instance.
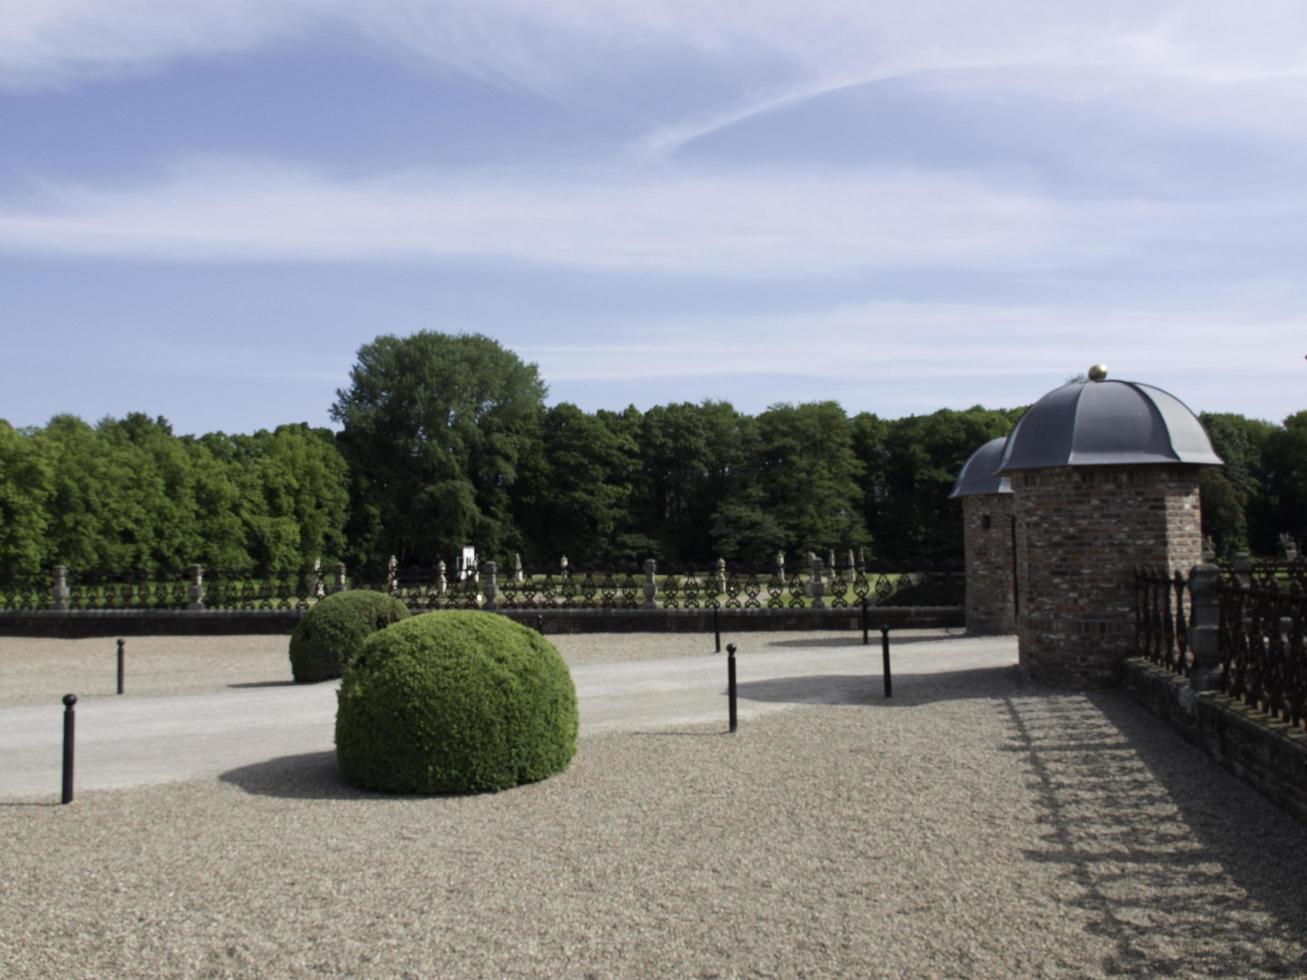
(717, 631)
(730, 680)
(69, 720)
(865, 638)
(540, 623)
(121, 644)
(884, 656)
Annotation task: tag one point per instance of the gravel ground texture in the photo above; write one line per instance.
(38, 670)
(973, 826)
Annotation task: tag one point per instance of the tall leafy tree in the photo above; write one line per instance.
(808, 479)
(25, 489)
(690, 456)
(922, 456)
(1237, 510)
(1286, 465)
(576, 504)
(434, 428)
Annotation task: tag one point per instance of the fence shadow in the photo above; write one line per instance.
(1180, 867)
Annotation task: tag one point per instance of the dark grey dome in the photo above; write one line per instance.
(979, 473)
(1107, 423)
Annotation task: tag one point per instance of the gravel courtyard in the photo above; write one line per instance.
(971, 826)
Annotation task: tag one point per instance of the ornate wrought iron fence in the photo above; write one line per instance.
(126, 589)
(1163, 616)
(423, 588)
(26, 590)
(1262, 620)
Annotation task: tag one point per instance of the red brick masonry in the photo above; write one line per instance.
(987, 534)
(1081, 532)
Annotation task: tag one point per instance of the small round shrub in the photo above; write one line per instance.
(332, 633)
(455, 702)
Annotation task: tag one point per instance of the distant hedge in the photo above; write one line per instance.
(332, 633)
(455, 702)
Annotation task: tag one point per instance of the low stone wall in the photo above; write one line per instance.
(1266, 754)
(169, 622)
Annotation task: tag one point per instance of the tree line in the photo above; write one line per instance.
(446, 440)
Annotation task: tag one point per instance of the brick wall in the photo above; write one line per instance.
(987, 534)
(1081, 531)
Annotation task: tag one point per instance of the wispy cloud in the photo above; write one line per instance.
(555, 45)
(723, 224)
(711, 224)
(967, 341)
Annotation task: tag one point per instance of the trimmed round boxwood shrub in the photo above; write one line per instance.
(332, 633)
(455, 702)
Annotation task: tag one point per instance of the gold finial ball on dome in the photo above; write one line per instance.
(1098, 372)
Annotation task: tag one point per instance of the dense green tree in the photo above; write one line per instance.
(1286, 477)
(921, 456)
(293, 483)
(808, 481)
(691, 457)
(576, 503)
(25, 487)
(434, 428)
(1242, 514)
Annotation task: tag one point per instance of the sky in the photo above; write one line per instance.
(208, 206)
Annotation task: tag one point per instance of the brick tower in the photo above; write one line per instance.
(989, 537)
(1104, 479)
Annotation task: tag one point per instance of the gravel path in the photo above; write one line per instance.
(41, 671)
(973, 826)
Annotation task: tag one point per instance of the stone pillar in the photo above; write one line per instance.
(341, 583)
(719, 579)
(442, 583)
(59, 594)
(650, 583)
(518, 576)
(987, 532)
(489, 585)
(1083, 530)
(830, 567)
(1204, 634)
(818, 584)
(196, 589)
(780, 566)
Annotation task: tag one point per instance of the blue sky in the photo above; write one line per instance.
(207, 206)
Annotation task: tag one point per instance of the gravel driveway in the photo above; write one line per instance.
(971, 826)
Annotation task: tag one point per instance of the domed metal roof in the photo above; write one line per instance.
(1106, 423)
(979, 473)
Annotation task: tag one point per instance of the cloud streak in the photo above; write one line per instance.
(872, 340)
(725, 224)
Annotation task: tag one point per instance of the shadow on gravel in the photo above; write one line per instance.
(854, 638)
(1182, 868)
(311, 776)
(868, 689)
